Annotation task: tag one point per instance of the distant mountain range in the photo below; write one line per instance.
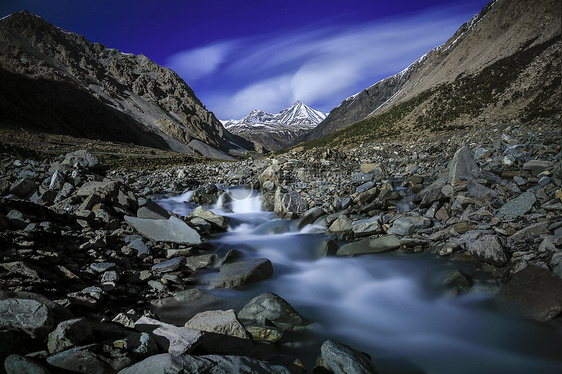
(276, 131)
(58, 82)
(503, 64)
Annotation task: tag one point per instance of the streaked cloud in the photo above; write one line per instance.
(320, 66)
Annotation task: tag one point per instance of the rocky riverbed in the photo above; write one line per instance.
(86, 251)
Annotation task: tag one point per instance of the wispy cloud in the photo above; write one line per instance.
(320, 66)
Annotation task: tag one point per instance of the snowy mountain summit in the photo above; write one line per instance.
(276, 131)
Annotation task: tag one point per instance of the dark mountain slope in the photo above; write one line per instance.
(58, 68)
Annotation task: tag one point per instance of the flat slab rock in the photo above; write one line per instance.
(212, 364)
(172, 230)
(382, 244)
(241, 272)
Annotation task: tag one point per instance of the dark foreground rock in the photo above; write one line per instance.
(213, 364)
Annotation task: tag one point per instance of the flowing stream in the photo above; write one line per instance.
(390, 306)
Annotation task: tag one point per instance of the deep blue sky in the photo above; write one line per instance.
(266, 54)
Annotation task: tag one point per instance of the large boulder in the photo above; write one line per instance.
(289, 202)
(344, 360)
(34, 317)
(69, 333)
(212, 364)
(488, 248)
(270, 309)
(172, 230)
(462, 166)
(239, 273)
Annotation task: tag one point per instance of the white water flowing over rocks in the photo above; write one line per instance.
(391, 306)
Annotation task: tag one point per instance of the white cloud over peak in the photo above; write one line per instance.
(320, 66)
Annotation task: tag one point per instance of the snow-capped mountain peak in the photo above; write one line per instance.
(284, 126)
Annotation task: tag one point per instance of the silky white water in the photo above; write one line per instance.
(391, 306)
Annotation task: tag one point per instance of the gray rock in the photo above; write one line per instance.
(242, 272)
(151, 210)
(310, 216)
(31, 316)
(107, 190)
(531, 232)
(179, 340)
(365, 186)
(17, 364)
(269, 308)
(478, 190)
(536, 166)
(212, 364)
(462, 165)
(406, 226)
(289, 202)
(218, 222)
(341, 224)
(344, 360)
(140, 247)
(172, 264)
(23, 188)
(488, 248)
(382, 244)
(172, 230)
(141, 344)
(534, 292)
(16, 219)
(219, 322)
(83, 359)
(69, 334)
(57, 180)
(21, 268)
(81, 159)
(519, 206)
(366, 227)
(100, 267)
(195, 263)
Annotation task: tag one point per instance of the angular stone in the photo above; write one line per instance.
(31, 316)
(531, 232)
(69, 333)
(212, 364)
(534, 292)
(344, 360)
(172, 230)
(488, 248)
(519, 206)
(367, 196)
(242, 272)
(21, 268)
(23, 188)
(107, 190)
(82, 359)
(289, 202)
(536, 166)
(406, 226)
(341, 224)
(81, 159)
(265, 334)
(179, 340)
(219, 322)
(480, 191)
(269, 308)
(100, 267)
(17, 364)
(172, 264)
(218, 222)
(310, 216)
(366, 227)
(195, 263)
(151, 210)
(462, 165)
(382, 244)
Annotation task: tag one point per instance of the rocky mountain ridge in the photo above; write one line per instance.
(57, 81)
(502, 64)
(276, 131)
